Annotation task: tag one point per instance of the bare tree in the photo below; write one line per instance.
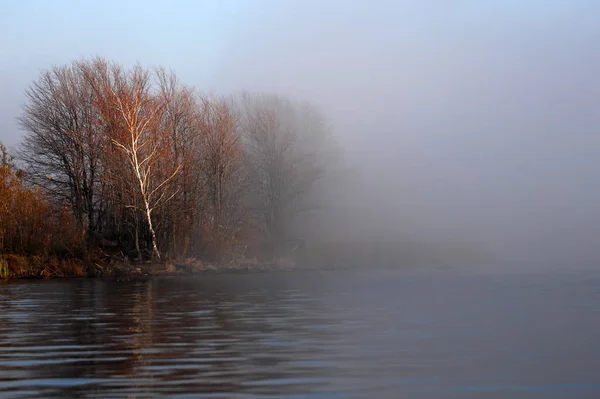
(141, 140)
(286, 146)
(145, 163)
(181, 122)
(221, 158)
(63, 144)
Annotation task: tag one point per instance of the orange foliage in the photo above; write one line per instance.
(28, 223)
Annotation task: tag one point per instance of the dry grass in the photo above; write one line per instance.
(4, 270)
(18, 266)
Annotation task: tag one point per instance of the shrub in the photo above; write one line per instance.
(29, 223)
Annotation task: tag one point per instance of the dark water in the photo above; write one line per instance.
(303, 335)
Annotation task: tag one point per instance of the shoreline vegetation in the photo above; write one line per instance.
(121, 167)
(33, 267)
(341, 255)
(126, 171)
(315, 256)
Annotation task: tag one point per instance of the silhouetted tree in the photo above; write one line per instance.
(63, 145)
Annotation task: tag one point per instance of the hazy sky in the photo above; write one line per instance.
(472, 120)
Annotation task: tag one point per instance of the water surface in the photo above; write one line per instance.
(303, 335)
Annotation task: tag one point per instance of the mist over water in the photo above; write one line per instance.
(465, 123)
(462, 123)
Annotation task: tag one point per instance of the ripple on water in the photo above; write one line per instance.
(285, 337)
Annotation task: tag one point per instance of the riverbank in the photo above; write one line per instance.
(324, 255)
(44, 267)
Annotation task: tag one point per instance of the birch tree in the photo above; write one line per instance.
(140, 140)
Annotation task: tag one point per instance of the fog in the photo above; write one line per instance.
(463, 122)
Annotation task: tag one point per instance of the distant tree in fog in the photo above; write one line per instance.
(287, 147)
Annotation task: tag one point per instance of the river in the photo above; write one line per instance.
(291, 335)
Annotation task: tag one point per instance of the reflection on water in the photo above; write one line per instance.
(302, 335)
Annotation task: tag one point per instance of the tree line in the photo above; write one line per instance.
(132, 160)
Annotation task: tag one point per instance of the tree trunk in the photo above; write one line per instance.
(137, 241)
(155, 252)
